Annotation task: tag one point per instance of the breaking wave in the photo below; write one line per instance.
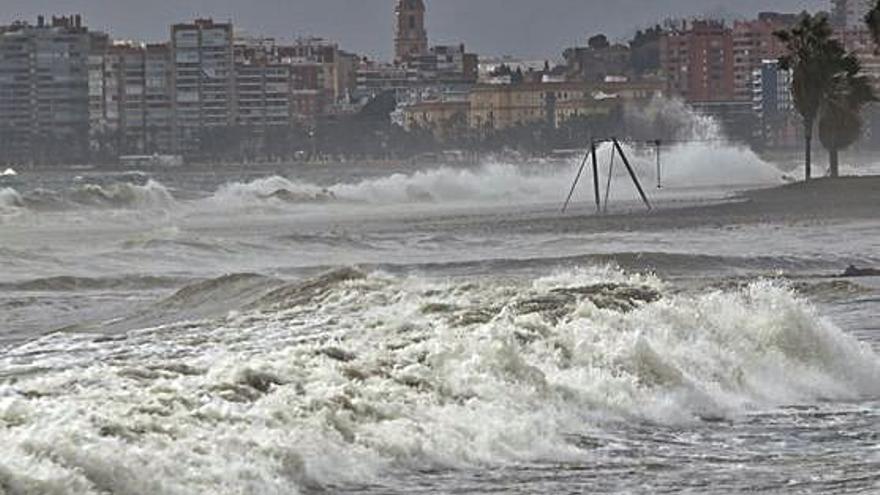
(151, 195)
(10, 199)
(488, 183)
(685, 166)
(695, 165)
(333, 381)
(269, 190)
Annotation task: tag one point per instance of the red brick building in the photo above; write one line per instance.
(698, 61)
(754, 42)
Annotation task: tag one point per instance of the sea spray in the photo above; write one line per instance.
(684, 166)
(338, 379)
(10, 199)
(151, 195)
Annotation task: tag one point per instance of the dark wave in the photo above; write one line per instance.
(196, 245)
(301, 292)
(664, 263)
(72, 283)
(332, 240)
(44, 200)
(224, 290)
(206, 299)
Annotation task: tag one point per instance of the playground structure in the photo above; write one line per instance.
(616, 149)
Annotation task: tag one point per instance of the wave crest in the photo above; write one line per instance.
(10, 199)
(339, 378)
(151, 195)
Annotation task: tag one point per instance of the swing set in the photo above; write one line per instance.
(616, 149)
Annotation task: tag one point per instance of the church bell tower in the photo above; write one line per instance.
(411, 38)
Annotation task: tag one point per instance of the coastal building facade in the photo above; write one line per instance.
(774, 106)
(203, 90)
(697, 58)
(753, 43)
(44, 90)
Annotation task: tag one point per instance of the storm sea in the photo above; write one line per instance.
(415, 328)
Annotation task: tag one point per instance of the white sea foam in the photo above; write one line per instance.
(9, 198)
(11, 205)
(273, 190)
(700, 156)
(336, 380)
(152, 195)
(684, 166)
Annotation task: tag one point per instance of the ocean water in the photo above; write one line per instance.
(431, 329)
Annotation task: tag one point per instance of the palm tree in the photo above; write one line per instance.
(811, 53)
(840, 124)
(872, 19)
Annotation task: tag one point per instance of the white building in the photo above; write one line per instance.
(203, 76)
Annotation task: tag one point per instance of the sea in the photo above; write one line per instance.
(425, 328)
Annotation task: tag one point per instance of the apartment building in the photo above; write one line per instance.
(203, 75)
(774, 106)
(44, 90)
(263, 85)
(698, 61)
(753, 43)
(321, 76)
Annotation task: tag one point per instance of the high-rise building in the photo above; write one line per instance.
(322, 75)
(158, 107)
(137, 110)
(203, 80)
(411, 37)
(774, 106)
(753, 43)
(44, 90)
(100, 44)
(262, 85)
(130, 110)
(698, 61)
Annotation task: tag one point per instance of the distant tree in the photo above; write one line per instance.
(598, 42)
(840, 123)
(645, 50)
(379, 109)
(501, 70)
(812, 57)
(872, 19)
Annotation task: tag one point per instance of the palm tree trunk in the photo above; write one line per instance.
(808, 151)
(834, 162)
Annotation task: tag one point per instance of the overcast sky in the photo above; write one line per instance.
(533, 28)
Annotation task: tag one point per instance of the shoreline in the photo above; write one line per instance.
(820, 200)
(824, 198)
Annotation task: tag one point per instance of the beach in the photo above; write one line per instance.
(439, 329)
